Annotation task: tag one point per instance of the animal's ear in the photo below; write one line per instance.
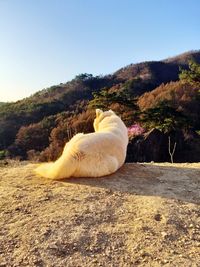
(110, 110)
(98, 112)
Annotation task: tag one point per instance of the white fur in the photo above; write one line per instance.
(91, 155)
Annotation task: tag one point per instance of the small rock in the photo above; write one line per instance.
(165, 261)
(158, 217)
(164, 234)
(52, 246)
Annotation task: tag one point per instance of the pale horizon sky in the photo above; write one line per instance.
(47, 42)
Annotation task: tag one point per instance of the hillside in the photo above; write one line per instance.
(160, 71)
(143, 215)
(51, 101)
(184, 58)
(176, 91)
(70, 99)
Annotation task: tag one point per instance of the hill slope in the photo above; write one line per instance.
(160, 71)
(143, 215)
(74, 95)
(51, 101)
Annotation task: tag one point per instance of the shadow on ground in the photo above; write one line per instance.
(180, 183)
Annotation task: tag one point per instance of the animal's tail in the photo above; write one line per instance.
(44, 170)
(62, 168)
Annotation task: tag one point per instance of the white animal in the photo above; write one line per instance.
(91, 155)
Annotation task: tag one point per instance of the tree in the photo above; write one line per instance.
(118, 99)
(84, 76)
(105, 98)
(171, 150)
(165, 118)
(33, 136)
(191, 76)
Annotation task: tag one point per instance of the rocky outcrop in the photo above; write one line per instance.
(154, 146)
(151, 146)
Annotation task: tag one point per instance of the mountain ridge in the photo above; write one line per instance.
(73, 96)
(181, 59)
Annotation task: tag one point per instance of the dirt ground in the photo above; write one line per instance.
(143, 215)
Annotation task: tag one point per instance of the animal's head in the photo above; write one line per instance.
(100, 116)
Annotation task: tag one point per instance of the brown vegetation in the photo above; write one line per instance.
(64, 131)
(177, 93)
(148, 92)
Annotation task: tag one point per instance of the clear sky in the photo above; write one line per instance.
(46, 42)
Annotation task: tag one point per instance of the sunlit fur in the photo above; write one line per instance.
(91, 155)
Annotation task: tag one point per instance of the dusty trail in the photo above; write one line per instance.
(143, 215)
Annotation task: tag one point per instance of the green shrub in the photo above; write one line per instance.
(2, 154)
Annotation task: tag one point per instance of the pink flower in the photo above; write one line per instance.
(135, 130)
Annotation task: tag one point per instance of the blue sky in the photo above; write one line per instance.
(46, 42)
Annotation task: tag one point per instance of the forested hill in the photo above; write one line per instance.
(159, 71)
(51, 105)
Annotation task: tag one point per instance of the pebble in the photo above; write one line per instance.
(164, 234)
(158, 217)
(52, 246)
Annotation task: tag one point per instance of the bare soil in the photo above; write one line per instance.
(143, 215)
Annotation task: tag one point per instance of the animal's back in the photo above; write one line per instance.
(99, 154)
